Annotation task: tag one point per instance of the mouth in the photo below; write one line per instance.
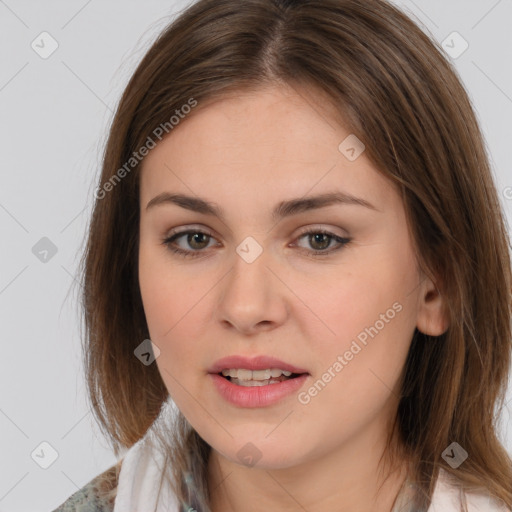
(256, 382)
(252, 378)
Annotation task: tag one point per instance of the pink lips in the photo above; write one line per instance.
(253, 363)
(257, 396)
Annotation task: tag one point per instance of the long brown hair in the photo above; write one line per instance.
(392, 86)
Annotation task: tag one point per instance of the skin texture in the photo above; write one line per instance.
(246, 153)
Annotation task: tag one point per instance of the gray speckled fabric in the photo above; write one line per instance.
(93, 497)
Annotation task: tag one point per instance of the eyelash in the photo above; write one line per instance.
(168, 241)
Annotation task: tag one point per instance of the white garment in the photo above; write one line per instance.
(447, 497)
(139, 486)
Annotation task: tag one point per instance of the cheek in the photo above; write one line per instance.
(357, 372)
(171, 323)
(163, 304)
(368, 320)
(366, 355)
(168, 294)
(174, 319)
(345, 307)
(174, 305)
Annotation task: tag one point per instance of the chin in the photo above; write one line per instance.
(261, 453)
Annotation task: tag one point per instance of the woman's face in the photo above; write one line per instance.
(250, 285)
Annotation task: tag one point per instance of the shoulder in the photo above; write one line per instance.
(98, 495)
(448, 495)
(484, 503)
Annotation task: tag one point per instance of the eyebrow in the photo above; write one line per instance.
(283, 209)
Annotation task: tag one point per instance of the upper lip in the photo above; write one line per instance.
(253, 363)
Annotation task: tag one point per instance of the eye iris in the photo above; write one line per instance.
(321, 236)
(192, 237)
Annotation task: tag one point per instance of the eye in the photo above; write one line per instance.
(198, 240)
(194, 238)
(321, 239)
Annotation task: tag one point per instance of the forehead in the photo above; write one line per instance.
(258, 144)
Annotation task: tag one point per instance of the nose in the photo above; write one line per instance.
(253, 298)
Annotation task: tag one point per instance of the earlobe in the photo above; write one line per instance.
(432, 310)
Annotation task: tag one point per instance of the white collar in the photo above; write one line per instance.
(448, 496)
(139, 488)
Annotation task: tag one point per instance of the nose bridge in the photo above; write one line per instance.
(251, 294)
(249, 273)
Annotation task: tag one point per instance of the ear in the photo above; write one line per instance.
(432, 316)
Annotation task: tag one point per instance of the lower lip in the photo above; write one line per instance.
(257, 396)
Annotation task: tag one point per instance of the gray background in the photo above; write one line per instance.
(55, 113)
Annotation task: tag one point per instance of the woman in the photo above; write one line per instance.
(297, 281)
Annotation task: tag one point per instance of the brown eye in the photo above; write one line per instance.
(195, 242)
(320, 241)
(197, 238)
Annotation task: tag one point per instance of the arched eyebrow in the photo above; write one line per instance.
(283, 209)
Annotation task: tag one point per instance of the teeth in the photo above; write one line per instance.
(256, 375)
(244, 374)
(251, 383)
